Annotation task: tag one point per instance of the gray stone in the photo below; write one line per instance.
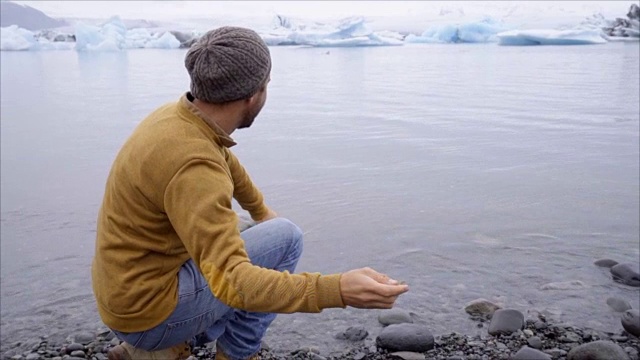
(78, 353)
(598, 350)
(626, 274)
(633, 353)
(33, 356)
(74, 347)
(527, 353)
(408, 355)
(528, 333)
(115, 341)
(359, 356)
(100, 356)
(535, 342)
(570, 337)
(631, 322)
(618, 305)
(353, 333)
(394, 316)
(84, 338)
(405, 337)
(506, 321)
(608, 263)
(481, 307)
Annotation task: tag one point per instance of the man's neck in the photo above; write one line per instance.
(222, 116)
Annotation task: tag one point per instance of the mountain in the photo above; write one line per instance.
(26, 17)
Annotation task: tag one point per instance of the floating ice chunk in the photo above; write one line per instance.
(551, 37)
(14, 38)
(474, 32)
(166, 41)
(348, 32)
(111, 36)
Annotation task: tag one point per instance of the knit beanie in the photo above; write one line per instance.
(227, 64)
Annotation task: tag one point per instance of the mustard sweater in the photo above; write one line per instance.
(168, 198)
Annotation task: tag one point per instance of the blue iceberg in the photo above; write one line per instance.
(114, 36)
(483, 31)
(14, 38)
(551, 37)
(348, 32)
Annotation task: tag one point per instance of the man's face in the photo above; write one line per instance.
(254, 107)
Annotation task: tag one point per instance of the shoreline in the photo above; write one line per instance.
(556, 340)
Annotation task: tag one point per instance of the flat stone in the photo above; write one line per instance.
(535, 342)
(353, 333)
(527, 353)
(631, 322)
(626, 274)
(481, 307)
(33, 356)
(570, 337)
(506, 321)
(394, 316)
(408, 355)
(74, 347)
(608, 263)
(84, 338)
(405, 337)
(598, 350)
(78, 353)
(618, 305)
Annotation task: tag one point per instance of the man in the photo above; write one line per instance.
(170, 265)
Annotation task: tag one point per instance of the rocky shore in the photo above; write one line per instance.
(506, 334)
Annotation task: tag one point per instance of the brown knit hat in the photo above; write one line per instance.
(227, 64)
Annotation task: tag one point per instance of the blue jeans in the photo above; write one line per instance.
(201, 318)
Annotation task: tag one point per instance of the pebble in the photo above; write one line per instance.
(608, 263)
(405, 337)
(535, 342)
(408, 355)
(394, 316)
(618, 305)
(32, 356)
(626, 274)
(482, 307)
(598, 350)
(84, 338)
(631, 322)
(74, 347)
(528, 332)
(527, 353)
(353, 333)
(506, 321)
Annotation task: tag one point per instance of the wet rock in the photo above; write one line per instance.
(626, 274)
(570, 337)
(633, 353)
(631, 322)
(32, 356)
(565, 285)
(481, 307)
(608, 263)
(407, 355)
(84, 338)
(394, 316)
(74, 347)
(597, 350)
(353, 333)
(506, 321)
(618, 305)
(527, 353)
(535, 342)
(78, 353)
(405, 337)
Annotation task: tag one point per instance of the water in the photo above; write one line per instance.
(466, 170)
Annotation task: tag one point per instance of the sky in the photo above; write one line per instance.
(174, 10)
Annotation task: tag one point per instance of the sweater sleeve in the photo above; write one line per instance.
(244, 190)
(201, 188)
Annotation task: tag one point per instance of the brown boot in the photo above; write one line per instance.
(220, 355)
(125, 351)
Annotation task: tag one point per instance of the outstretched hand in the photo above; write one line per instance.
(366, 288)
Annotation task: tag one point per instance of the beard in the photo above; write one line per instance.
(247, 120)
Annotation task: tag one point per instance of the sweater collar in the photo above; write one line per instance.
(219, 135)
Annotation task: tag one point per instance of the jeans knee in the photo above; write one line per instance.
(294, 236)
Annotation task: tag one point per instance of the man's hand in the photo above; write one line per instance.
(270, 215)
(368, 289)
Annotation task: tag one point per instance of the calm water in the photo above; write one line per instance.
(467, 170)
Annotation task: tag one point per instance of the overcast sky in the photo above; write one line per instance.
(171, 10)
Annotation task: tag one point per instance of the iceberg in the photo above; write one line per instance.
(551, 37)
(349, 32)
(483, 31)
(114, 36)
(14, 38)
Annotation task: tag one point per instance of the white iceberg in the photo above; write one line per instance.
(483, 31)
(551, 37)
(14, 38)
(348, 32)
(114, 36)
